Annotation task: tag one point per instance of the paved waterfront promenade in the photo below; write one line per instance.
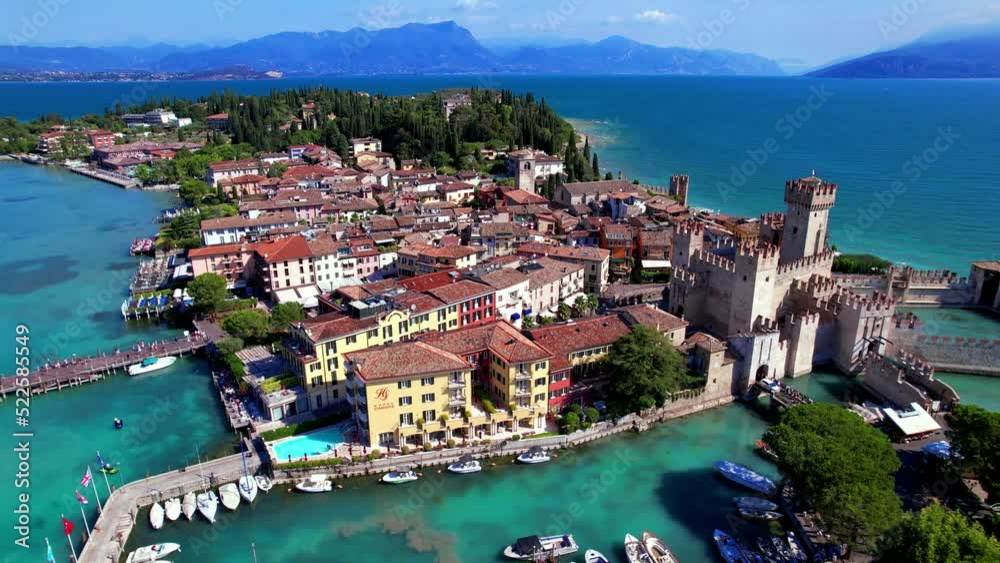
(77, 371)
(121, 509)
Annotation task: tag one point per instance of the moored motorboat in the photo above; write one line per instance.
(230, 495)
(264, 483)
(400, 476)
(635, 552)
(172, 508)
(782, 548)
(746, 477)
(318, 483)
(794, 547)
(248, 488)
(465, 464)
(150, 365)
(536, 548)
(594, 556)
(189, 505)
(657, 550)
(755, 503)
(156, 516)
(728, 548)
(153, 552)
(766, 451)
(208, 505)
(755, 514)
(534, 455)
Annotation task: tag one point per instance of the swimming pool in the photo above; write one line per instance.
(312, 444)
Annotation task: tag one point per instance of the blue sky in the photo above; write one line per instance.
(807, 31)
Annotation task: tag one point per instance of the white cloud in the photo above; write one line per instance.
(656, 16)
(612, 20)
(472, 5)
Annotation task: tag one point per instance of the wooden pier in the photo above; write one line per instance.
(121, 510)
(77, 371)
(781, 395)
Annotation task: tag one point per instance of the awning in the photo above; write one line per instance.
(912, 422)
(655, 264)
(307, 296)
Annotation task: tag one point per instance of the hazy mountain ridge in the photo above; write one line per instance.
(972, 56)
(442, 48)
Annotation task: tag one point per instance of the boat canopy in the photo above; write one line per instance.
(530, 545)
(148, 362)
(535, 450)
(465, 458)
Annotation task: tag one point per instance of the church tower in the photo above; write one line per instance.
(807, 220)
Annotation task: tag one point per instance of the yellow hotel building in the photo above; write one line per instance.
(315, 348)
(398, 393)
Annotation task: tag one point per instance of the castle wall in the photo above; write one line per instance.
(759, 349)
(801, 339)
(827, 343)
(888, 382)
(967, 355)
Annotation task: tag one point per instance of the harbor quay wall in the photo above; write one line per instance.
(947, 353)
(685, 403)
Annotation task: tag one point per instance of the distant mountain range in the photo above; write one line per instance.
(442, 48)
(939, 56)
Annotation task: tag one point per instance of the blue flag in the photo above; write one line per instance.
(49, 557)
(100, 462)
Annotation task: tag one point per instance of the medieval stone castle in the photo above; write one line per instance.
(774, 298)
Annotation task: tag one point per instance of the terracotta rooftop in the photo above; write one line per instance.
(415, 302)
(233, 165)
(336, 325)
(500, 337)
(561, 339)
(431, 281)
(652, 317)
(237, 222)
(220, 249)
(460, 291)
(503, 278)
(288, 248)
(521, 197)
(600, 187)
(569, 252)
(404, 360)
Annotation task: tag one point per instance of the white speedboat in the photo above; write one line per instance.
(535, 548)
(755, 503)
(173, 509)
(757, 514)
(318, 483)
(248, 488)
(208, 505)
(153, 552)
(594, 556)
(728, 548)
(150, 365)
(635, 552)
(264, 483)
(156, 516)
(189, 505)
(230, 495)
(657, 550)
(399, 477)
(534, 455)
(465, 464)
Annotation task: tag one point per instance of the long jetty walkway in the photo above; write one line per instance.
(121, 510)
(77, 371)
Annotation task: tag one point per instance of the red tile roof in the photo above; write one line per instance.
(431, 281)
(288, 248)
(500, 337)
(561, 339)
(404, 360)
(336, 325)
(460, 291)
(220, 249)
(653, 317)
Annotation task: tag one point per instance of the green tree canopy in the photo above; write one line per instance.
(643, 369)
(860, 264)
(939, 535)
(284, 314)
(843, 466)
(229, 345)
(977, 438)
(208, 291)
(247, 324)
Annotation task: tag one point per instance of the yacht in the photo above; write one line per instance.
(746, 477)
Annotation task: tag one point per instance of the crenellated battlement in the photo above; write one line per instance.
(685, 277)
(713, 260)
(793, 268)
(915, 366)
(775, 219)
(910, 276)
(811, 193)
(878, 302)
(816, 286)
(762, 324)
(804, 318)
(690, 228)
(758, 250)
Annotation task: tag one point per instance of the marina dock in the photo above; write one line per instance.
(77, 371)
(121, 510)
(782, 396)
(105, 176)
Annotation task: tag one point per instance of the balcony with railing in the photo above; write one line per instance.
(456, 400)
(458, 383)
(303, 353)
(522, 376)
(522, 392)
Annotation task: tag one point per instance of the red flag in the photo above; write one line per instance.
(80, 498)
(87, 477)
(67, 526)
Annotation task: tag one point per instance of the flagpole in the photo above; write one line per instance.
(49, 558)
(69, 539)
(97, 496)
(85, 523)
(105, 473)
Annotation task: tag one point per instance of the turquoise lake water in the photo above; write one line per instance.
(66, 238)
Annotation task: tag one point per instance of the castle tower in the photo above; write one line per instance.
(688, 238)
(807, 221)
(679, 188)
(752, 286)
